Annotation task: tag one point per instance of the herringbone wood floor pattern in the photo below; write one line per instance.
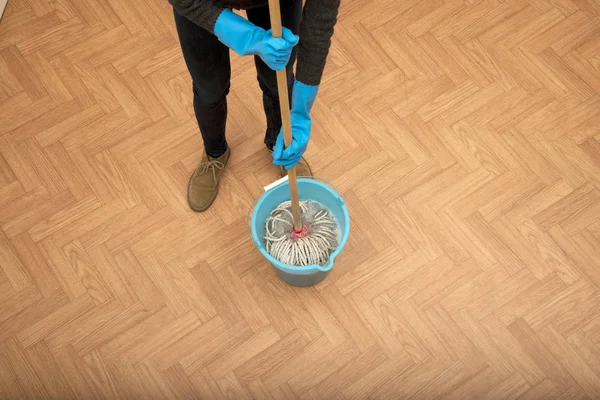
(464, 134)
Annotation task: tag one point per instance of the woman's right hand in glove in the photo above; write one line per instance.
(245, 38)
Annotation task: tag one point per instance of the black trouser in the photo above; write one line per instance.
(209, 65)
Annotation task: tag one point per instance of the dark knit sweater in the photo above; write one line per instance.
(316, 29)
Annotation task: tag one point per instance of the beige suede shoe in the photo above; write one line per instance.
(302, 169)
(203, 186)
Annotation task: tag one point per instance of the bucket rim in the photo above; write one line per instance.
(302, 268)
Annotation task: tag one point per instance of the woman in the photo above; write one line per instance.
(207, 30)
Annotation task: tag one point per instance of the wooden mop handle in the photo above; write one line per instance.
(282, 87)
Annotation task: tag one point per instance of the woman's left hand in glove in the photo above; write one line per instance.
(303, 97)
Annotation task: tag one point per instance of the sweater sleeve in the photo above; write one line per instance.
(202, 12)
(318, 21)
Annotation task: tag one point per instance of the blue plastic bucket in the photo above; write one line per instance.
(308, 189)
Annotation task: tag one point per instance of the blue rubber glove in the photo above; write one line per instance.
(303, 98)
(245, 38)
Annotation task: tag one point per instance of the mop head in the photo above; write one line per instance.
(320, 235)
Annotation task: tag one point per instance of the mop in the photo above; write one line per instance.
(297, 232)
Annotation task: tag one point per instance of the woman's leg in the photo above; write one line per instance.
(209, 65)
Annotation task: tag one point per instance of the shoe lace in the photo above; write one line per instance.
(212, 165)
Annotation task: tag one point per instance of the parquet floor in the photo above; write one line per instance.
(464, 135)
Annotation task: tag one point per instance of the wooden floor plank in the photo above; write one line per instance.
(462, 134)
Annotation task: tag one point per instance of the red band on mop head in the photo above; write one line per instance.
(302, 233)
